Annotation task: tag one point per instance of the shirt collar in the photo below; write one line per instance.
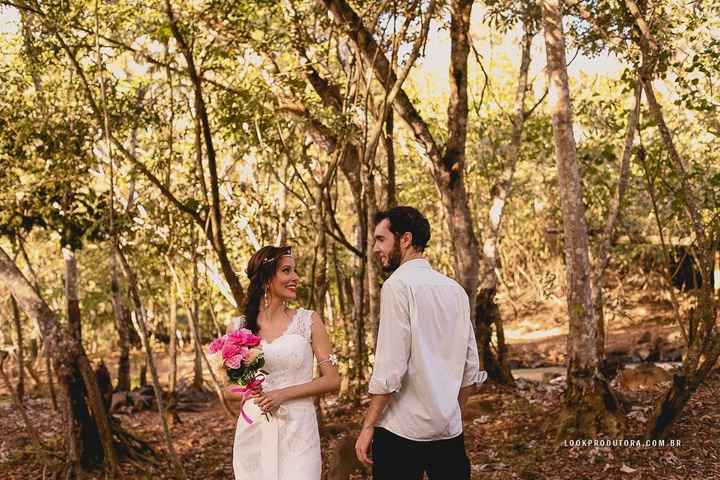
(416, 263)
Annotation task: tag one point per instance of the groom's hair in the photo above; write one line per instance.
(407, 220)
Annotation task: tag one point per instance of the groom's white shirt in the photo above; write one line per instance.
(426, 351)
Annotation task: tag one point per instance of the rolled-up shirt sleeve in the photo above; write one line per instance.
(472, 375)
(392, 353)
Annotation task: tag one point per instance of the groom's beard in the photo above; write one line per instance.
(394, 259)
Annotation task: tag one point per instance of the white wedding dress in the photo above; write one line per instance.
(288, 446)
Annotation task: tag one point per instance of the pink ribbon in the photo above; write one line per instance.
(245, 390)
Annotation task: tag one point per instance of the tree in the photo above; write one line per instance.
(587, 396)
(89, 440)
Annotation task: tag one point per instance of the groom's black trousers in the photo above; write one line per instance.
(397, 458)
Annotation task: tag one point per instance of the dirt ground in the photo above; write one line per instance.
(509, 435)
(510, 432)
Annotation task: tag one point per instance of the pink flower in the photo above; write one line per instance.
(251, 356)
(239, 336)
(231, 350)
(253, 340)
(244, 337)
(234, 362)
(217, 344)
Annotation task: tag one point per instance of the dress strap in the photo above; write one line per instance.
(302, 324)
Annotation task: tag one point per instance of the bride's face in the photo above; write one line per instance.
(284, 283)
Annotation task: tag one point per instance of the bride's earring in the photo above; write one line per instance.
(267, 299)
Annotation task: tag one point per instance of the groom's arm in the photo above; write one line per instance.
(362, 446)
(465, 394)
(472, 377)
(392, 354)
(377, 405)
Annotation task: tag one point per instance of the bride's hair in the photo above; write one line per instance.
(260, 270)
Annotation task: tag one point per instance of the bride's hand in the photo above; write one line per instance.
(232, 396)
(269, 401)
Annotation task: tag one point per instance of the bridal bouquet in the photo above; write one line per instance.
(239, 353)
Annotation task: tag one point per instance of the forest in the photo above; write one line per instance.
(565, 152)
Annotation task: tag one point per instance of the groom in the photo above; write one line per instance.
(426, 361)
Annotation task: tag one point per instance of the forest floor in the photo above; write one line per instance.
(511, 433)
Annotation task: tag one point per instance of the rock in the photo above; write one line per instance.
(635, 358)
(549, 376)
(637, 415)
(644, 376)
(515, 364)
(657, 348)
(560, 380)
(119, 400)
(141, 402)
(645, 338)
(617, 352)
(523, 384)
(611, 365)
(672, 355)
(643, 353)
(146, 390)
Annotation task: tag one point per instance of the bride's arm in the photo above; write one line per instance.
(328, 381)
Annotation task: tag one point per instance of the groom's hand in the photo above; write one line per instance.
(362, 446)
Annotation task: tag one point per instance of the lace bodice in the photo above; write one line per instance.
(289, 357)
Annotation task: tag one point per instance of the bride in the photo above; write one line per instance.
(287, 447)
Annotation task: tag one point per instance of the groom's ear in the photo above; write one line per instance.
(406, 240)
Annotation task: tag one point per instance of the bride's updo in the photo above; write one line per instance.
(260, 270)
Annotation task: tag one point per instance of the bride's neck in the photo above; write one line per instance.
(276, 306)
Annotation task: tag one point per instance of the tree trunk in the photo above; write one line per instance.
(448, 167)
(611, 221)
(488, 313)
(50, 379)
(391, 193)
(194, 321)
(216, 237)
(359, 281)
(449, 171)
(213, 379)
(72, 301)
(373, 270)
(139, 319)
(587, 391)
(282, 235)
(343, 315)
(17, 323)
(671, 404)
(172, 303)
(319, 267)
(704, 348)
(122, 325)
(89, 438)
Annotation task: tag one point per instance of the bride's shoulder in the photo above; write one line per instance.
(303, 320)
(306, 315)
